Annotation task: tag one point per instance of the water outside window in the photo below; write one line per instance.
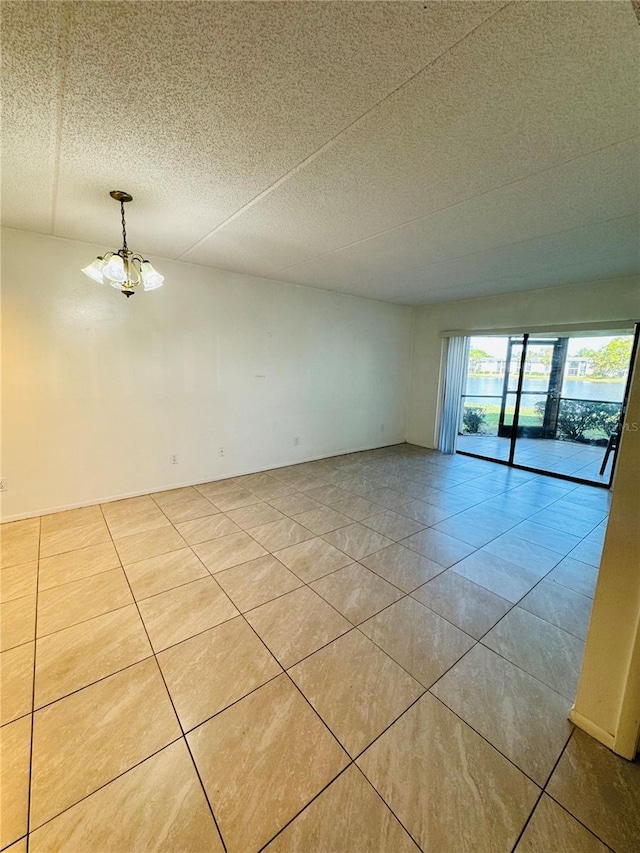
(570, 397)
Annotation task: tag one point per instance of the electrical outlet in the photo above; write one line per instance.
(296, 440)
(174, 458)
(381, 427)
(3, 485)
(221, 451)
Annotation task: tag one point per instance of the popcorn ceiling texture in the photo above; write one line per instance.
(411, 152)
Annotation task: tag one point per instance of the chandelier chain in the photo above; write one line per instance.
(124, 227)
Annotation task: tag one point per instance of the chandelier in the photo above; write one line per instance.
(125, 270)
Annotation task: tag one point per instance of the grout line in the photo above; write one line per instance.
(104, 785)
(305, 807)
(488, 742)
(542, 792)
(381, 798)
(33, 691)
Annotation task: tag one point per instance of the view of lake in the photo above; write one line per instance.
(578, 389)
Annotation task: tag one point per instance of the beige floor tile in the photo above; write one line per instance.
(280, 534)
(297, 624)
(356, 688)
(349, 817)
(219, 487)
(323, 520)
(497, 575)
(469, 606)
(393, 525)
(19, 847)
(444, 781)
(179, 613)
(19, 542)
(16, 682)
(356, 508)
(552, 828)
(476, 527)
(438, 547)
(601, 790)
(252, 584)
(209, 672)
(304, 482)
(563, 607)
(208, 528)
(70, 603)
(268, 491)
(15, 739)
(157, 574)
(327, 494)
(388, 498)
(171, 497)
(580, 577)
(231, 498)
(358, 541)
(523, 553)
(254, 515)
(137, 522)
(76, 656)
(228, 551)
(128, 506)
(73, 739)
(189, 510)
(544, 651)
(261, 761)
(312, 559)
(356, 592)
(17, 622)
(402, 567)
(77, 564)
(294, 503)
(422, 642)
(515, 712)
(158, 805)
(71, 538)
(253, 481)
(78, 517)
(141, 546)
(425, 512)
(18, 581)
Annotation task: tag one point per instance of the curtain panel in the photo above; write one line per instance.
(454, 384)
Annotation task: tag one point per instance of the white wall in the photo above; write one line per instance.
(98, 390)
(608, 700)
(597, 302)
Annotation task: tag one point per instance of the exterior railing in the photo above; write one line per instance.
(578, 419)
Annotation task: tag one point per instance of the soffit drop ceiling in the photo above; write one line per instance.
(411, 152)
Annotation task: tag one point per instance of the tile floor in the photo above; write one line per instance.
(374, 652)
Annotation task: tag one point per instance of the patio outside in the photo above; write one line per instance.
(570, 401)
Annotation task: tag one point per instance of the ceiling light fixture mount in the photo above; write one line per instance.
(125, 270)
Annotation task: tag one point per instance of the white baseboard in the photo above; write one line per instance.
(591, 728)
(181, 485)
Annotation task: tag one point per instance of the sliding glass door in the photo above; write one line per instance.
(548, 403)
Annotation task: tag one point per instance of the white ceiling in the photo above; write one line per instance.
(409, 151)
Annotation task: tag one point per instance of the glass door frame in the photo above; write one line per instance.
(526, 337)
(552, 393)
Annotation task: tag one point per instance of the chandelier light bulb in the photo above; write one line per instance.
(95, 270)
(151, 278)
(114, 269)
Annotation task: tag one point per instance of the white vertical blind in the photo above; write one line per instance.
(454, 383)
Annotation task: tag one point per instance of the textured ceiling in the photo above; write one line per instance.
(413, 152)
